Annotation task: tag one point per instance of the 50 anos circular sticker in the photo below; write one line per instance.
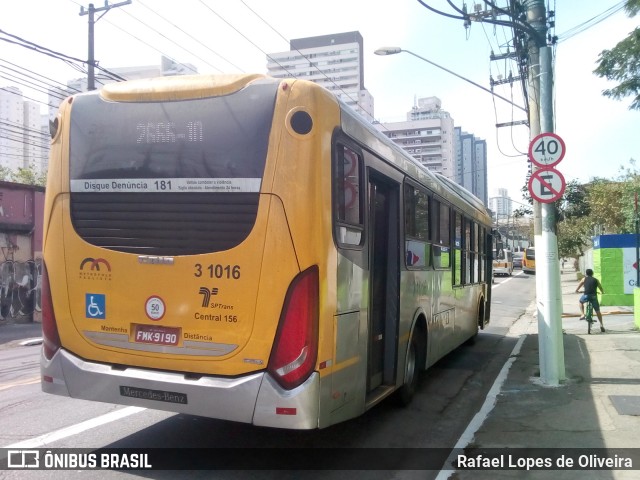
(154, 307)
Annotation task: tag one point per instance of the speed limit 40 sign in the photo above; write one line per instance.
(546, 150)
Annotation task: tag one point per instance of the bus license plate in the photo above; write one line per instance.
(157, 335)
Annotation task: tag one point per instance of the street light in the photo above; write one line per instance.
(393, 50)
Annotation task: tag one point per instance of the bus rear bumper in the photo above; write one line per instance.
(254, 398)
(501, 271)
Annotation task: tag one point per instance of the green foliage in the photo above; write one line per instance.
(524, 210)
(573, 202)
(26, 175)
(29, 177)
(602, 205)
(622, 64)
(5, 174)
(630, 178)
(573, 234)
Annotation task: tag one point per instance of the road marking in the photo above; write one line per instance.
(26, 381)
(48, 438)
(496, 285)
(476, 422)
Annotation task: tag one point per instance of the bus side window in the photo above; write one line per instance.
(458, 264)
(468, 250)
(475, 230)
(417, 229)
(348, 196)
(442, 236)
(482, 234)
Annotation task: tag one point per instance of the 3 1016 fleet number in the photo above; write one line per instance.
(231, 272)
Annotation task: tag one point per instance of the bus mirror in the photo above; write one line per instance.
(53, 127)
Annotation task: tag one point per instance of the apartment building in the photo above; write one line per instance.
(471, 163)
(24, 142)
(334, 61)
(427, 135)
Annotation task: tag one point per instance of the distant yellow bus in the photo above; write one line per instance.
(529, 260)
(250, 249)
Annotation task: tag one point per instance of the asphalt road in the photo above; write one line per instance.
(450, 394)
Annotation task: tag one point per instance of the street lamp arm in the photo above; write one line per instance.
(394, 50)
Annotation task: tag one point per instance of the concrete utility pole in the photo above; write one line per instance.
(548, 294)
(91, 79)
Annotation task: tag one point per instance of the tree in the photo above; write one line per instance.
(26, 175)
(29, 176)
(5, 173)
(622, 63)
(573, 236)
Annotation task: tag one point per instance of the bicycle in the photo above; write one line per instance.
(588, 313)
(588, 316)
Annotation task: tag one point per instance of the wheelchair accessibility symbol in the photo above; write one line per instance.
(95, 306)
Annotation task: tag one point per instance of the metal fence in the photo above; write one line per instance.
(20, 292)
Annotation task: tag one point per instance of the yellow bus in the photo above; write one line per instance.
(250, 249)
(529, 260)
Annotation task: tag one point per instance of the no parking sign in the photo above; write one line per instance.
(546, 185)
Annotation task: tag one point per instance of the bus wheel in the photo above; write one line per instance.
(472, 340)
(411, 373)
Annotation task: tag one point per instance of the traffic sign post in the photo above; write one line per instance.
(546, 185)
(546, 150)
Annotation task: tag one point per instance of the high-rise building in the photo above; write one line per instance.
(471, 163)
(500, 204)
(427, 135)
(334, 61)
(22, 143)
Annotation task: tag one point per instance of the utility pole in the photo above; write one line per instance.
(548, 294)
(530, 34)
(91, 79)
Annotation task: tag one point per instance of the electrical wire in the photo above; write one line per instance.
(150, 46)
(52, 53)
(49, 82)
(167, 38)
(192, 37)
(32, 85)
(444, 14)
(322, 72)
(28, 98)
(592, 22)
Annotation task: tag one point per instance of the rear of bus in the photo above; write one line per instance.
(503, 262)
(529, 260)
(186, 233)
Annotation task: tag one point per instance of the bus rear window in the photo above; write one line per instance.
(348, 196)
(216, 144)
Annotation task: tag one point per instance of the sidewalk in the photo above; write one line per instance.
(13, 334)
(597, 406)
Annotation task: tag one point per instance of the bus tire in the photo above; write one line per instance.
(479, 324)
(411, 373)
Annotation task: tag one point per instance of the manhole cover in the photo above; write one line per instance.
(626, 404)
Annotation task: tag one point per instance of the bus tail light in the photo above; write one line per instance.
(295, 348)
(51, 339)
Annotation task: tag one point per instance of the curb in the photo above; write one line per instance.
(615, 312)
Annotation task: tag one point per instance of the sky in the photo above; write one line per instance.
(230, 36)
